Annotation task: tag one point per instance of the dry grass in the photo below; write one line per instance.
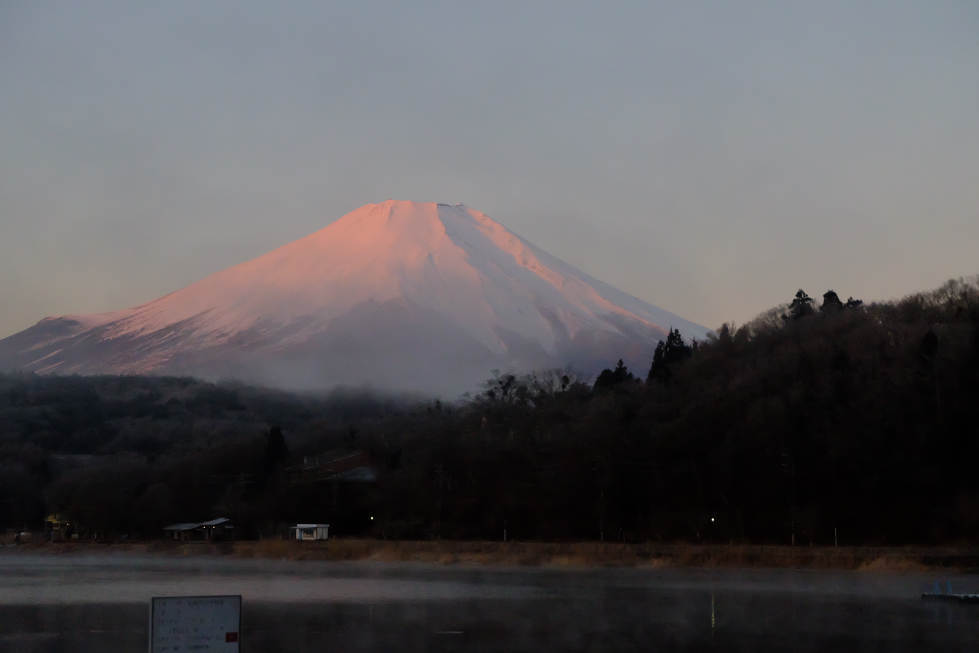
(609, 554)
(893, 563)
(553, 554)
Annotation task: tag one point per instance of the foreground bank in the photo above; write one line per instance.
(571, 554)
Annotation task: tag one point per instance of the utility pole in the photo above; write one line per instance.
(601, 515)
(440, 481)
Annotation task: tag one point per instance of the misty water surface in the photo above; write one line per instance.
(99, 603)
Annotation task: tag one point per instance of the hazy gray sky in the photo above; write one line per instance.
(710, 158)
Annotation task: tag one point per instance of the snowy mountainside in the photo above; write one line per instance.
(398, 295)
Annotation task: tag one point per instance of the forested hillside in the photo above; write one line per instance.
(815, 420)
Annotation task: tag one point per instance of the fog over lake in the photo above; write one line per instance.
(100, 603)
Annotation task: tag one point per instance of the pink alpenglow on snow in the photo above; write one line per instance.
(398, 295)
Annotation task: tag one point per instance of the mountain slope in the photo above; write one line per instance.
(402, 295)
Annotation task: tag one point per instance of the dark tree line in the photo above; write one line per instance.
(848, 418)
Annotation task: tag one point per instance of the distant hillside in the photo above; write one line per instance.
(818, 421)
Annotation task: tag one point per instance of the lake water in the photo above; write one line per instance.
(99, 603)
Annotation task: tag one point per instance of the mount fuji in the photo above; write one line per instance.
(398, 295)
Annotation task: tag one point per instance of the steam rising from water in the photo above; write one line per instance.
(57, 603)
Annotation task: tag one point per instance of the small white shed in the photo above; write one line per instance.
(312, 532)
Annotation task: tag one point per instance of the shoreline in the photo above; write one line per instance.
(546, 554)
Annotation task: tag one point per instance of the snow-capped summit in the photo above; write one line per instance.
(400, 295)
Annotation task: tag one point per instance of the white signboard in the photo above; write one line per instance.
(195, 624)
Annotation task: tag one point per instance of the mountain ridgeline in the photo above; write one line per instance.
(814, 422)
(400, 295)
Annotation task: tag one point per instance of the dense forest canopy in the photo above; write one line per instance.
(812, 420)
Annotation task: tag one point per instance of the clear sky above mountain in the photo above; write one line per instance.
(708, 157)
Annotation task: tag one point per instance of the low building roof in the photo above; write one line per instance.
(220, 521)
(311, 526)
(189, 526)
